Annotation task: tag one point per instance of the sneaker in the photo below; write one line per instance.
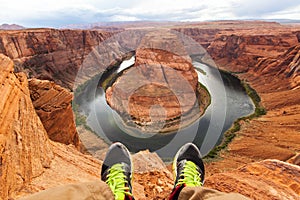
(117, 171)
(188, 169)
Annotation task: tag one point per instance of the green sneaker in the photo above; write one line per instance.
(117, 171)
(188, 169)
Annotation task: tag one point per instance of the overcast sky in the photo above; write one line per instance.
(39, 13)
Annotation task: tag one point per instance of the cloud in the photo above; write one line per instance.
(36, 13)
(259, 8)
(291, 13)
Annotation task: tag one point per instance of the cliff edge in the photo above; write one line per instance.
(25, 148)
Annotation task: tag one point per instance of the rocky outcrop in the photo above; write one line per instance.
(166, 59)
(53, 105)
(291, 63)
(298, 35)
(29, 161)
(50, 54)
(268, 179)
(152, 179)
(285, 66)
(25, 150)
(67, 166)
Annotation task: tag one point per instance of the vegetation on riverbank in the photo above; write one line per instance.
(80, 119)
(259, 109)
(230, 134)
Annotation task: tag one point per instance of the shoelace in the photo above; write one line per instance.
(190, 176)
(116, 180)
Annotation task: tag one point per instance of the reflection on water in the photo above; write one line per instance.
(228, 102)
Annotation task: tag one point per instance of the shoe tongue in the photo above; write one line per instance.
(181, 164)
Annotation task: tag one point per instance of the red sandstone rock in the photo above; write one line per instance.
(29, 161)
(269, 179)
(241, 51)
(151, 176)
(150, 90)
(203, 36)
(25, 150)
(50, 54)
(267, 55)
(53, 105)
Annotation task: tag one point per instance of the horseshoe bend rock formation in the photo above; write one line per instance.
(25, 150)
(160, 87)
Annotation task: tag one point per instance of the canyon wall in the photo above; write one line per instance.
(242, 51)
(240, 46)
(29, 161)
(266, 57)
(24, 146)
(203, 36)
(264, 50)
(269, 61)
(53, 105)
(53, 55)
(50, 54)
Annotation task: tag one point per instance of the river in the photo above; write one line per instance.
(229, 101)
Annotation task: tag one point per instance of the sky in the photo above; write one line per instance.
(40, 13)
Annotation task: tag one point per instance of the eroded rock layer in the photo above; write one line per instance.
(25, 151)
(269, 179)
(50, 54)
(53, 105)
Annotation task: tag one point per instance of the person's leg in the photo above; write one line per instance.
(189, 174)
(199, 193)
(82, 191)
(116, 173)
